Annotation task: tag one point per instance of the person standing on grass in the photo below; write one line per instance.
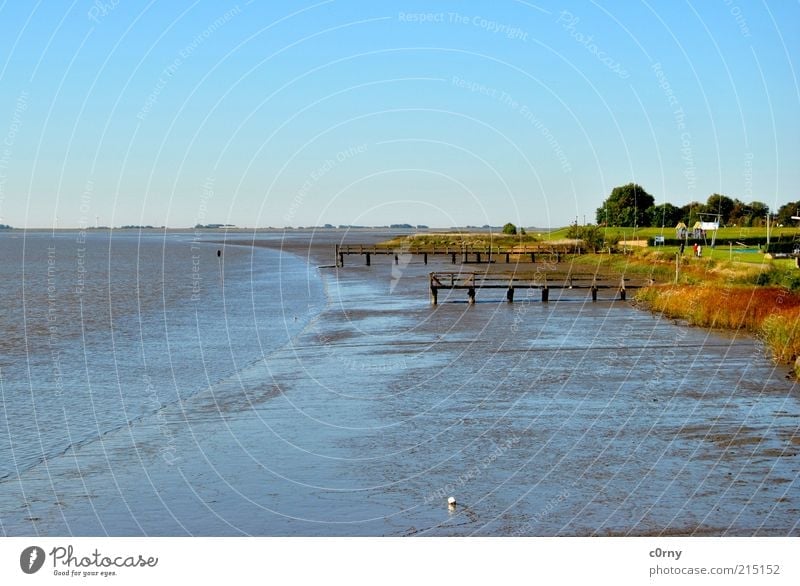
(695, 248)
(699, 252)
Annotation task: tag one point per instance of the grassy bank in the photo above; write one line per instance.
(457, 239)
(771, 313)
(761, 299)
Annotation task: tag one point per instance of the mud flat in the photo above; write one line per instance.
(566, 418)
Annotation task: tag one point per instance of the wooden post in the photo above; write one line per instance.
(594, 292)
(454, 257)
(336, 254)
(510, 295)
(396, 260)
(558, 256)
(545, 294)
(622, 288)
(341, 259)
(508, 256)
(533, 257)
(425, 257)
(478, 257)
(434, 294)
(368, 263)
(471, 295)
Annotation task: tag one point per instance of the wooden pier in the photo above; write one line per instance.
(511, 282)
(461, 254)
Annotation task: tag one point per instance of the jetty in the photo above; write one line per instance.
(465, 254)
(543, 281)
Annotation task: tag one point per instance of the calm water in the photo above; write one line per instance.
(182, 394)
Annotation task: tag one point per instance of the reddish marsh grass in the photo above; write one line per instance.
(772, 313)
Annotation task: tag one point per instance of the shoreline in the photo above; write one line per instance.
(780, 333)
(770, 315)
(382, 406)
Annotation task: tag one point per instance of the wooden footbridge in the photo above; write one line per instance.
(464, 254)
(472, 282)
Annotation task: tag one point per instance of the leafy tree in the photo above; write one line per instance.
(690, 213)
(719, 204)
(626, 206)
(739, 213)
(510, 229)
(758, 213)
(665, 214)
(786, 211)
(594, 237)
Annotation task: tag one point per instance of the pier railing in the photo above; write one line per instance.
(465, 253)
(473, 282)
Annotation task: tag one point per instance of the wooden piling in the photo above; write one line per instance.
(453, 257)
(594, 292)
(508, 257)
(471, 295)
(434, 295)
(545, 294)
(510, 295)
(533, 257)
(425, 257)
(368, 262)
(477, 257)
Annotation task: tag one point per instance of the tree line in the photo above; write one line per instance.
(631, 205)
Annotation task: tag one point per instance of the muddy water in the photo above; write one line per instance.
(566, 418)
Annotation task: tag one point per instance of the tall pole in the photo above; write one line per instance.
(767, 232)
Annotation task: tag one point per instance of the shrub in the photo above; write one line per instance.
(510, 229)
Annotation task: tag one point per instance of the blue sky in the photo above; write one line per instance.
(345, 112)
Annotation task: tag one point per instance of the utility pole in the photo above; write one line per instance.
(767, 232)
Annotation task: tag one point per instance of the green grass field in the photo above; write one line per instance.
(723, 234)
(722, 252)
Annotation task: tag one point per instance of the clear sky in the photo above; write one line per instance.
(360, 112)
